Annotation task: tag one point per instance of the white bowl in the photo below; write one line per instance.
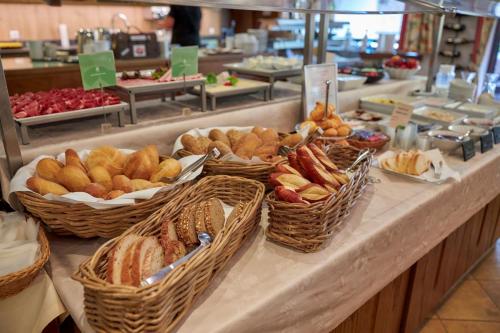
(401, 73)
(446, 145)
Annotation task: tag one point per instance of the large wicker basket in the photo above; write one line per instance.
(308, 228)
(159, 307)
(86, 222)
(259, 172)
(14, 283)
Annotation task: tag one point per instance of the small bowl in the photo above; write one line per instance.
(475, 133)
(401, 73)
(446, 145)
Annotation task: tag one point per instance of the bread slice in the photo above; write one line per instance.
(126, 273)
(185, 226)
(153, 262)
(116, 257)
(200, 218)
(215, 218)
(420, 164)
(140, 253)
(235, 214)
(174, 250)
(167, 232)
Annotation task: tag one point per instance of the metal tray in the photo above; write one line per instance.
(155, 86)
(419, 114)
(278, 73)
(474, 110)
(367, 103)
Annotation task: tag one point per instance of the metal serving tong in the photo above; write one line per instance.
(214, 153)
(350, 170)
(204, 239)
(284, 150)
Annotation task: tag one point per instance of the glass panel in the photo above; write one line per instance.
(468, 7)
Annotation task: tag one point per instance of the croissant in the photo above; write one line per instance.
(108, 157)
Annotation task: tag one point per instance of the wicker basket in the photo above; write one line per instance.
(160, 307)
(308, 227)
(259, 172)
(368, 144)
(86, 222)
(14, 283)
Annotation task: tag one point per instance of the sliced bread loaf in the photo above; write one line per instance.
(116, 258)
(139, 260)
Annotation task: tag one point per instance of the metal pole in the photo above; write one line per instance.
(309, 39)
(435, 52)
(323, 37)
(8, 128)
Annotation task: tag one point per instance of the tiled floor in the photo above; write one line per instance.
(475, 306)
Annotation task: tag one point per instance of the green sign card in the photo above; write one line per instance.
(97, 69)
(184, 61)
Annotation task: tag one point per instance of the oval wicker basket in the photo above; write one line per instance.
(259, 172)
(368, 144)
(308, 228)
(161, 306)
(14, 283)
(85, 222)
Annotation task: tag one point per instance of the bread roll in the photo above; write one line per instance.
(258, 130)
(191, 144)
(154, 157)
(141, 184)
(234, 136)
(221, 147)
(114, 194)
(269, 137)
(344, 130)
(139, 166)
(122, 183)
(204, 142)
(43, 186)
(218, 135)
(48, 168)
(96, 190)
(108, 157)
(266, 152)
(167, 168)
(330, 132)
(73, 159)
(291, 140)
(73, 178)
(247, 146)
(100, 175)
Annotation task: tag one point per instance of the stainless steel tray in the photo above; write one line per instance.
(276, 73)
(419, 114)
(155, 86)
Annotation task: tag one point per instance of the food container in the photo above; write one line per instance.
(161, 306)
(385, 103)
(308, 228)
(444, 144)
(439, 116)
(401, 73)
(348, 82)
(475, 131)
(474, 110)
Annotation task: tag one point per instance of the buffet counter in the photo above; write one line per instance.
(269, 288)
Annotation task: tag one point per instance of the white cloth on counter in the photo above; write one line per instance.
(19, 245)
(18, 184)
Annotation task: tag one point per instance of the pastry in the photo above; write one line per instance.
(100, 174)
(43, 186)
(96, 190)
(269, 137)
(258, 130)
(73, 178)
(122, 183)
(247, 145)
(218, 135)
(73, 159)
(139, 166)
(114, 194)
(47, 168)
(108, 157)
(152, 153)
(185, 227)
(214, 216)
(291, 140)
(191, 144)
(234, 137)
(170, 167)
(223, 148)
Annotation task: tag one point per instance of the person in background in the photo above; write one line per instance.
(185, 24)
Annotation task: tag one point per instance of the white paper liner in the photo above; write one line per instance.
(18, 184)
(197, 132)
(434, 156)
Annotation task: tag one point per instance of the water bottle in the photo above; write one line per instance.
(443, 78)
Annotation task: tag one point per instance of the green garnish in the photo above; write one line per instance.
(211, 78)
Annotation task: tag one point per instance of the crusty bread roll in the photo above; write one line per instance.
(223, 148)
(234, 137)
(139, 166)
(152, 153)
(247, 145)
(73, 159)
(217, 135)
(266, 152)
(169, 167)
(269, 137)
(204, 143)
(100, 174)
(48, 168)
(122, 183)
(109, 157)
(141, 184)
(291, 140)
(114, 194)
(43, 186)
(191, 144)
(258, 130)
(96, 190)
(73, 178)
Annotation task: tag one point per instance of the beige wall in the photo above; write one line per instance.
(39, 21)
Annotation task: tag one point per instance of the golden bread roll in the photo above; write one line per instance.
(73, 178)
(191, 144)
(327, 123)
(330, 132)
(344, 130)
(122, 183)
(221, 147)
(218, 135)
(48, 168)
(106, 156)
(266, 152)
(247, 145)
(141, 184)
(73, 159)
(114, 194)
(291, 140)
(234, 137)
(139, 166)
(258, 130)
(312, 125)
(168, 168)
(154, 157)
(204, 142)
(100, 175)
(269, 137)
(43, 186)
(96, 190)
